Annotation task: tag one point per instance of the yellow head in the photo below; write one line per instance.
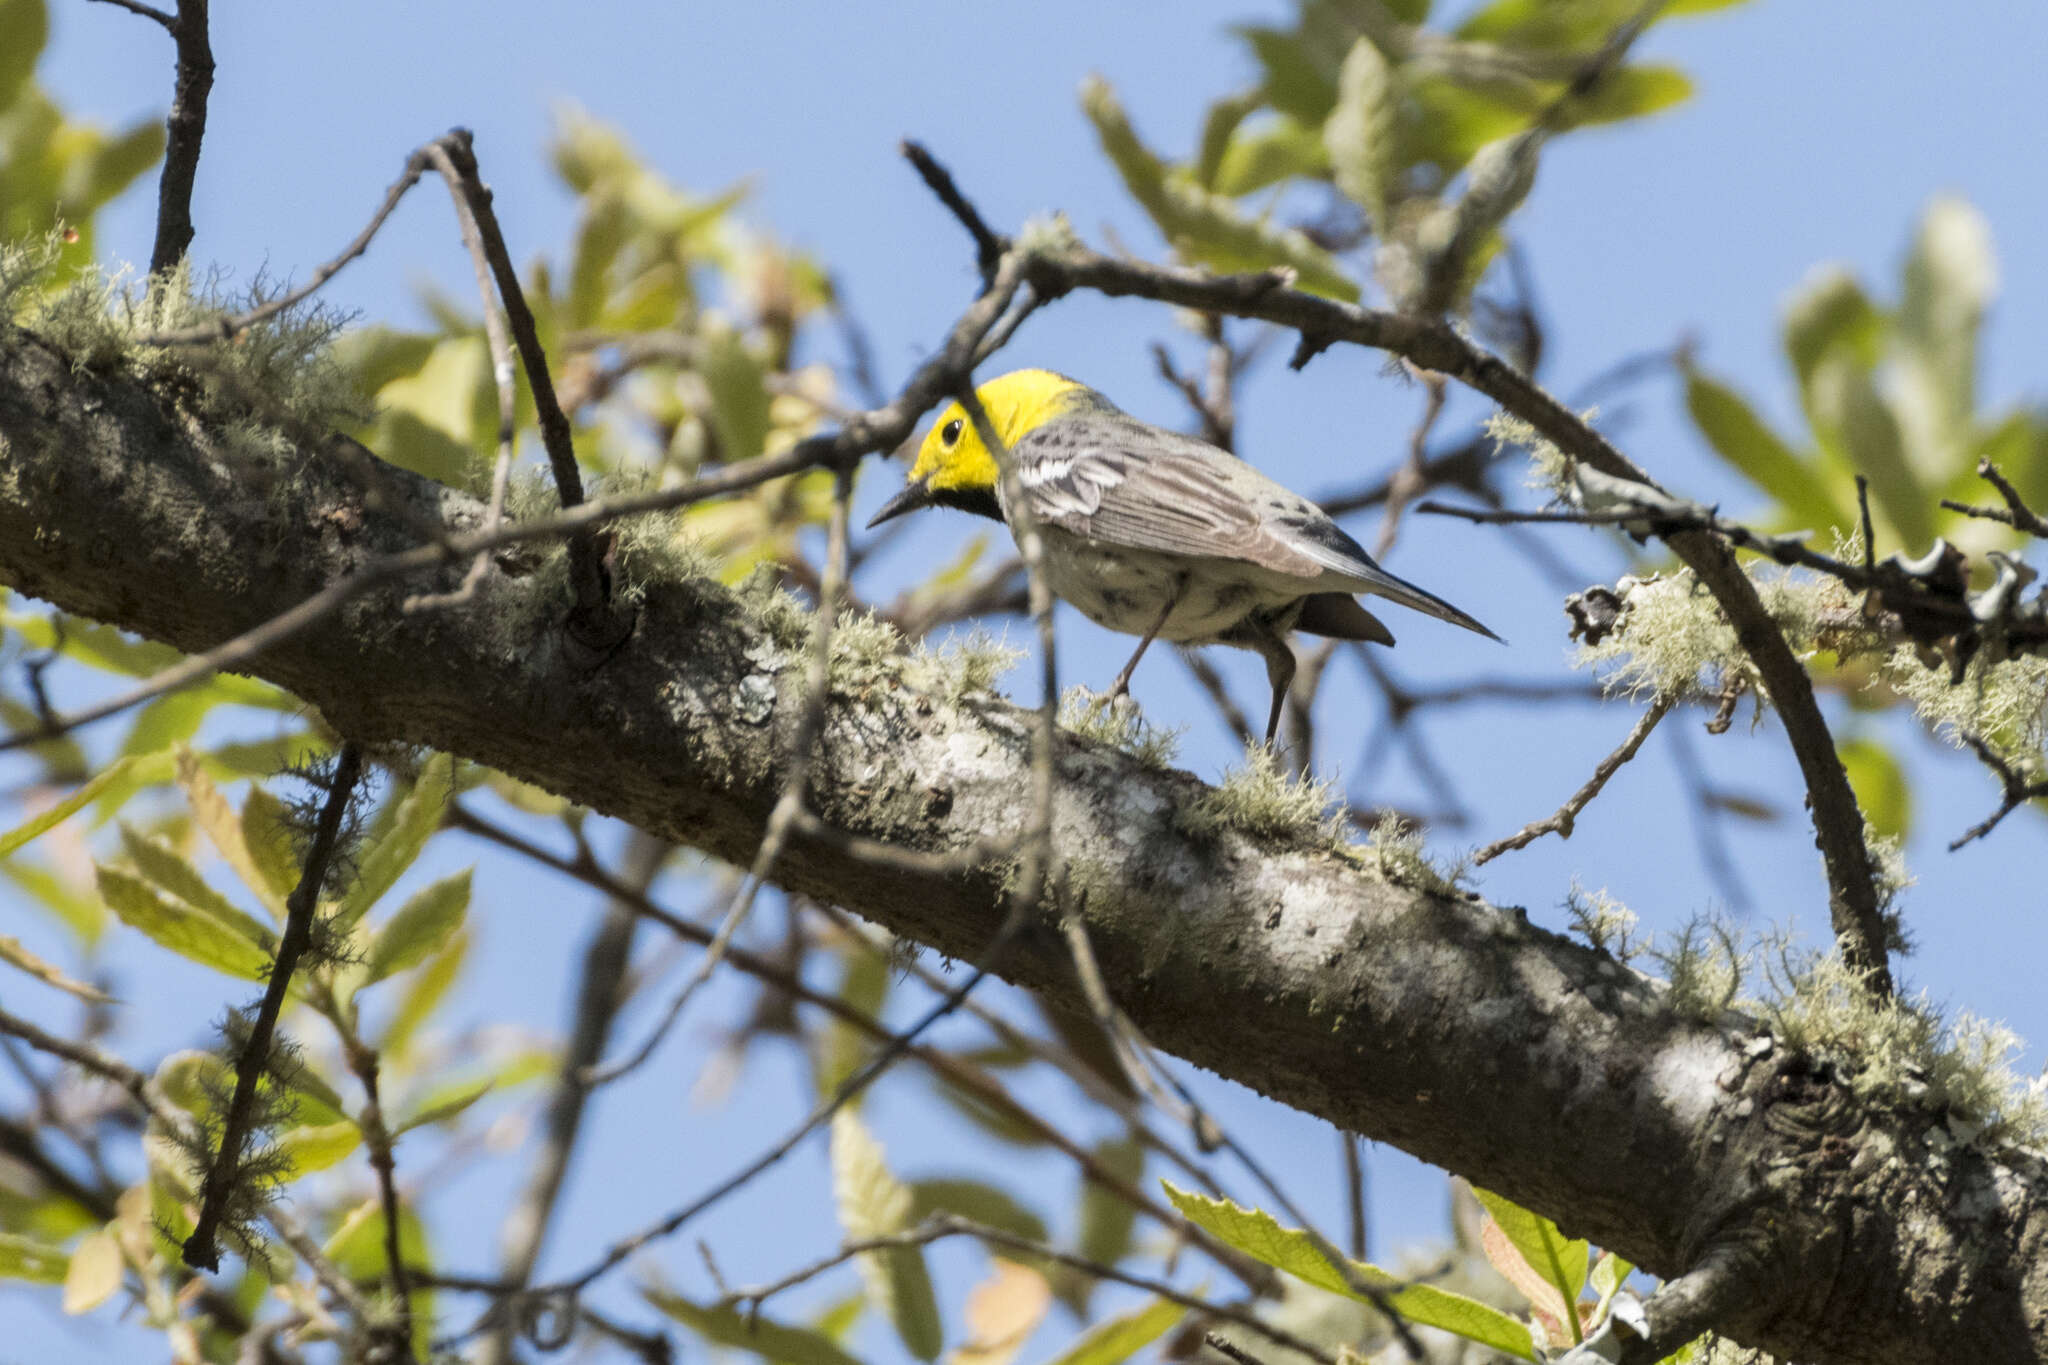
(954, 466)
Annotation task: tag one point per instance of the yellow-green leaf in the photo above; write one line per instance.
(421, 928)
(403, 829)
(79, 799)
(1118, 1339)
(755, 1332)
(446, 1106)
(181, 927)
(873, 1203)
(94, 1274)
(1106, 1218)
(1742, 438)
(1560, 1260)
(1362, 133)
(15, 955)
(739, 393)
(1880, 785)
(24, 1258)
(171, 874)
(271, 846)
(1206, 228)
(225, 830)
(315, 1147)
(1259, 1236)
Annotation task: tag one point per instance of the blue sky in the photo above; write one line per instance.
(1819, 132)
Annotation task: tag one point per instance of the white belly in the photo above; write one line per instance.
(1126, 590)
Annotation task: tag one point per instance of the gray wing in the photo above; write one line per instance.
(1120, 482)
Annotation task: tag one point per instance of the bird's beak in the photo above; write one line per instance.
(915, 494)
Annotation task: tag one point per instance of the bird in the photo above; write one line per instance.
(1157, 534)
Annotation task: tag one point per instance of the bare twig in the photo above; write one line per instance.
(947, 1225)
(2016, 512)
(185, 129)
(1562, 822)
(150, 12)
(377, 1138)
(224, 1173)
(1354, 1191)
(989, 245)
(1412, 478)
(598, 997)
(2017, 790)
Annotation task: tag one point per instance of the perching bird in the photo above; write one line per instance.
(1157, 534)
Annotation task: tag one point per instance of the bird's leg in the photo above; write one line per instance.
(1122, 686)
(1272, 646)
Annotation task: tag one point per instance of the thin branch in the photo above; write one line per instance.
(1412, 478)
(847, 1090)
(377, 1139)
(599, 995)
(2017, 790)
(2016, 512)
(1354, 1191)
(169, 22)
(989, 245)
(954, 1071)
(185, 129)
(224, 1174)
(1561, 823)
(946, 1226)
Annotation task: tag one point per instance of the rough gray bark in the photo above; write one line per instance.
(1449, 1027)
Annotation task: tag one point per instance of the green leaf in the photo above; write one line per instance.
(115, 164)
(357, 1249)
(1296, 83)
(1631, 92)
(402, 830)
(1452, 122)
(1743, 439)
(1106, 1219)
(1269, 152)
(1362, 134)
(1219, 126)
(1951, 277)
(376, 355)
(863, 984)
(1849, 404)
(226, 831)
(1257, 1235)
(15, 955)
(80, 798)
(1206, 228)
(739, 393)
(1610, 1273)
(1559, 1259)
(315, 1147)
(183, 928)
(446, 1106)
(84, 915)
(1118, 1339)
(421, 928)
(873, 1203)
(24, 1258)
(423, 992)
(1829, 313)
(27, 26)
(1880, 785)
(171, 874)
(755, 1332)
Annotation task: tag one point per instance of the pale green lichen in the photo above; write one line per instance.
(1118, 724)
(260, 395)
(1671, 639)
(1704, 967)
(963, 666)
(2004, 704)
(1267, 801)
(1606, 923)
(1396, 848)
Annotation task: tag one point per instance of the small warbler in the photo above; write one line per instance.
(1157, 534)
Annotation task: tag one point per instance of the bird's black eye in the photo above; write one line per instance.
(951, 434)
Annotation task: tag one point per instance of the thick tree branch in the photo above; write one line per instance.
(1880, 1237)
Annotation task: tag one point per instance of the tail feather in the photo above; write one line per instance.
(1380, 583)
(1338, 616)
